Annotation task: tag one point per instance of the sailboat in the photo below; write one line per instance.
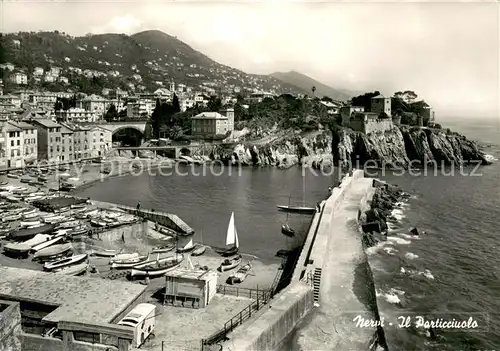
(231, 239)
(285, 228)
(199, 249)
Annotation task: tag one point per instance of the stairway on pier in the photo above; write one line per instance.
(331, 326)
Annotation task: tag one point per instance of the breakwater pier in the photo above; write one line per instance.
(331, 283)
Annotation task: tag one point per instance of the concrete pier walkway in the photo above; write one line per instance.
(344, 291)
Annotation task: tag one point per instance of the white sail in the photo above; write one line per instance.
(188, 245)
(232, 235)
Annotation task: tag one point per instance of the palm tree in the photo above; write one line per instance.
(313, 89)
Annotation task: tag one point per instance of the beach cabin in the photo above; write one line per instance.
(142, 319)
(190, 287)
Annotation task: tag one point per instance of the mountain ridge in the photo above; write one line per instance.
(304, 82)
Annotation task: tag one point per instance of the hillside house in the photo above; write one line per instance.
(43, 100)
(8, 66)
(38, 71)
(13, 145)
(30, 142)
(19, 78)
(139, 108)
(13, 100)
(333, 108)
(16, 43)
(94, 103)
(210, 124)
(49, 78)
(77, 115)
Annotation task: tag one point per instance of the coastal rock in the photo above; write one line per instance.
(401, 147)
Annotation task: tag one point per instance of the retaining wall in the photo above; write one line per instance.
(10, 326)
(273, 326)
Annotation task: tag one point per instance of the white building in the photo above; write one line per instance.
(19, 78)
(13, 145)
(76, 114)
(140, 108)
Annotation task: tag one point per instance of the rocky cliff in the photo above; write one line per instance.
(400, 147)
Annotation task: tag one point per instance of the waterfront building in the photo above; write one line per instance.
(212, 124)
(66, 145)
(29, 142)
(49, 139)
(60, 312)
(193, 287)
(13, 145)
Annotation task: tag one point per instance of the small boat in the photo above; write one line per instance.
(29, 224)
(28, 211)
(53, 240)
(54, 219)
(187, 247)
(42, 178)
(53, 251)
(13, 176)
(240, 274)
(76, 269)
(297, 209)
(287, 230)
(64, 262)
(11, 218)
(231, 239)
(70, 224)
(79, 206)
(129, 263)
(81, 230)
(28, 233)
(230, 263)
(123, 256)
(158, 267)
(98, 222)
(163, 248)
(31, 215)
(198, 250)
(104, 253)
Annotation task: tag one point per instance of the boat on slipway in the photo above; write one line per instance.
(28, 233)
(73, 270)
(158, 267)
(53, 252)
(240, 274)
(69, 261)
(230, 263)
(103, 253)
(129, 263)
(23, 248)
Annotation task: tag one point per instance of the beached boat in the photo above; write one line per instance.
(28, 233)
(30, 215)
(54, 239)
(80, 230)
(67, 187)
(26, 224)
(53, 251)
(11, 218)
(103, 253)
(13, 176)
(54, 219)
(231, 239)
(78, 206)
(76, 269)
(123, 256)
(163, 248)
(129, 263)
(240, 275)
(97, 222)
(65, 262)
(158, 267)
(230, 263)
(198, 250)
(68, 225)
(297, 209)
(185, 247)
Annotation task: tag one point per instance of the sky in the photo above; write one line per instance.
(447, 52)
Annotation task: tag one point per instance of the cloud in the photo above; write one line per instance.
(127, 24)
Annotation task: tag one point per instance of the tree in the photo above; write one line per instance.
(214, 103)
(364, 100)
(175, 104)
(111, 114)
(156, 119)
(313, 89)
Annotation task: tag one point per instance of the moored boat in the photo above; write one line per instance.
(297, 209)
(64, 262)
(158, 267)
(123, 256)
(240, 275)
(52, 251)
(103, 253)
(230, 263)
(287, 230)
(231, 239)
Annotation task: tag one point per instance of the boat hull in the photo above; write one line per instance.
(198, 251)
(73, 270)
(152, 272)
(301, 210)
(128, 263)
(229, 252)
(286, 230)
(232, 264)
(65, 262)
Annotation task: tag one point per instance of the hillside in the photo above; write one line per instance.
(304, 82)
(144, 59)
